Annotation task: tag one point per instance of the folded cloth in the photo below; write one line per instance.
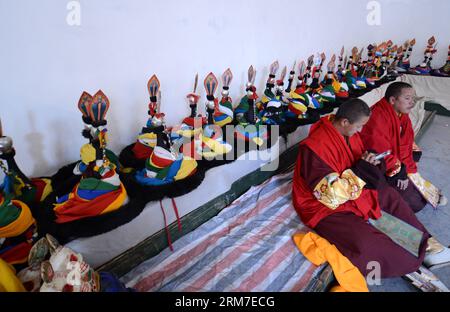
(318, 250)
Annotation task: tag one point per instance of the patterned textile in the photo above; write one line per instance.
(248, 246)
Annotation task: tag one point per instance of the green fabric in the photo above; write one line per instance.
(96, 184)
(227, 104)
(112, 158)
(400, 232)
(8, 213)
(161, 173)
(243, 105)
(28, 195)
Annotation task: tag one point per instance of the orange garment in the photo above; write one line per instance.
(318, 250)
(21, 224)
(76, 208)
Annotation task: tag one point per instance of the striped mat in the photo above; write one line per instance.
(246, 247)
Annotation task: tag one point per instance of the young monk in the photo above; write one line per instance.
(390, 128)
(338, 186)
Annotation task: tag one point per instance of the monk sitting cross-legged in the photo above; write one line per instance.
(340, 191)
(390, 128)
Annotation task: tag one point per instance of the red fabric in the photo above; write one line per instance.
(18, 254)
(142, 151)
(77, 208)
(388, 131)
(328, 144)
(40, 186)
(195, 121)
(169, 239)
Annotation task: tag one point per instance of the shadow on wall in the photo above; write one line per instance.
(34, 140)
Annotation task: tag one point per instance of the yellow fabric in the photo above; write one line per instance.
(21, 224)
(18, 186)
(118, 202)
(295, 95)
(187, 166)
(336, 85)
(215, 146)
(188, 133)
(258, 141)
(223, 122)
(8, 279)
(299, 106)
(337, 288)
(265, 99)
(149, 139)
(430, 192)
(334, 190)
(87, 153)
(47, 189)
(318, 250)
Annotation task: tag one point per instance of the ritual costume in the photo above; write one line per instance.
(64, 180)
(163, 170)
(332, 90)
(404, 63)
(99, 201)
(353, 80)
(444, 71)
(425, 68)
(19, 196)
(303, 95)
(295, 110)
(205, 139)
(248, 124)
(335, 193)
(56, 268)
(388, 130)
(270, 107)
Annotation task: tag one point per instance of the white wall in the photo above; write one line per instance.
(45, 64)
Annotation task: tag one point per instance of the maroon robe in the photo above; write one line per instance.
(386, 130)
(349, 231)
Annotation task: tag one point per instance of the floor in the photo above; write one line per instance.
(434, 166)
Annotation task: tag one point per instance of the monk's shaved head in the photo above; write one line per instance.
(395, 89)
(353, 110)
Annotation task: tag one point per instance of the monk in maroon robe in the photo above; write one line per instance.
(338, 186)
(390, 128)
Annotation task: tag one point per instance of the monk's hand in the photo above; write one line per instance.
(370, 158)
(402, 184)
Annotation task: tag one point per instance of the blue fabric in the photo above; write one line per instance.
(171, 173)
(110, 283)
(91, 194)
(174, 168)
(141, 178)
(62, 199)
(6, 186)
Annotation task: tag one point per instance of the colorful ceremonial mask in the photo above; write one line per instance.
(64, 271)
